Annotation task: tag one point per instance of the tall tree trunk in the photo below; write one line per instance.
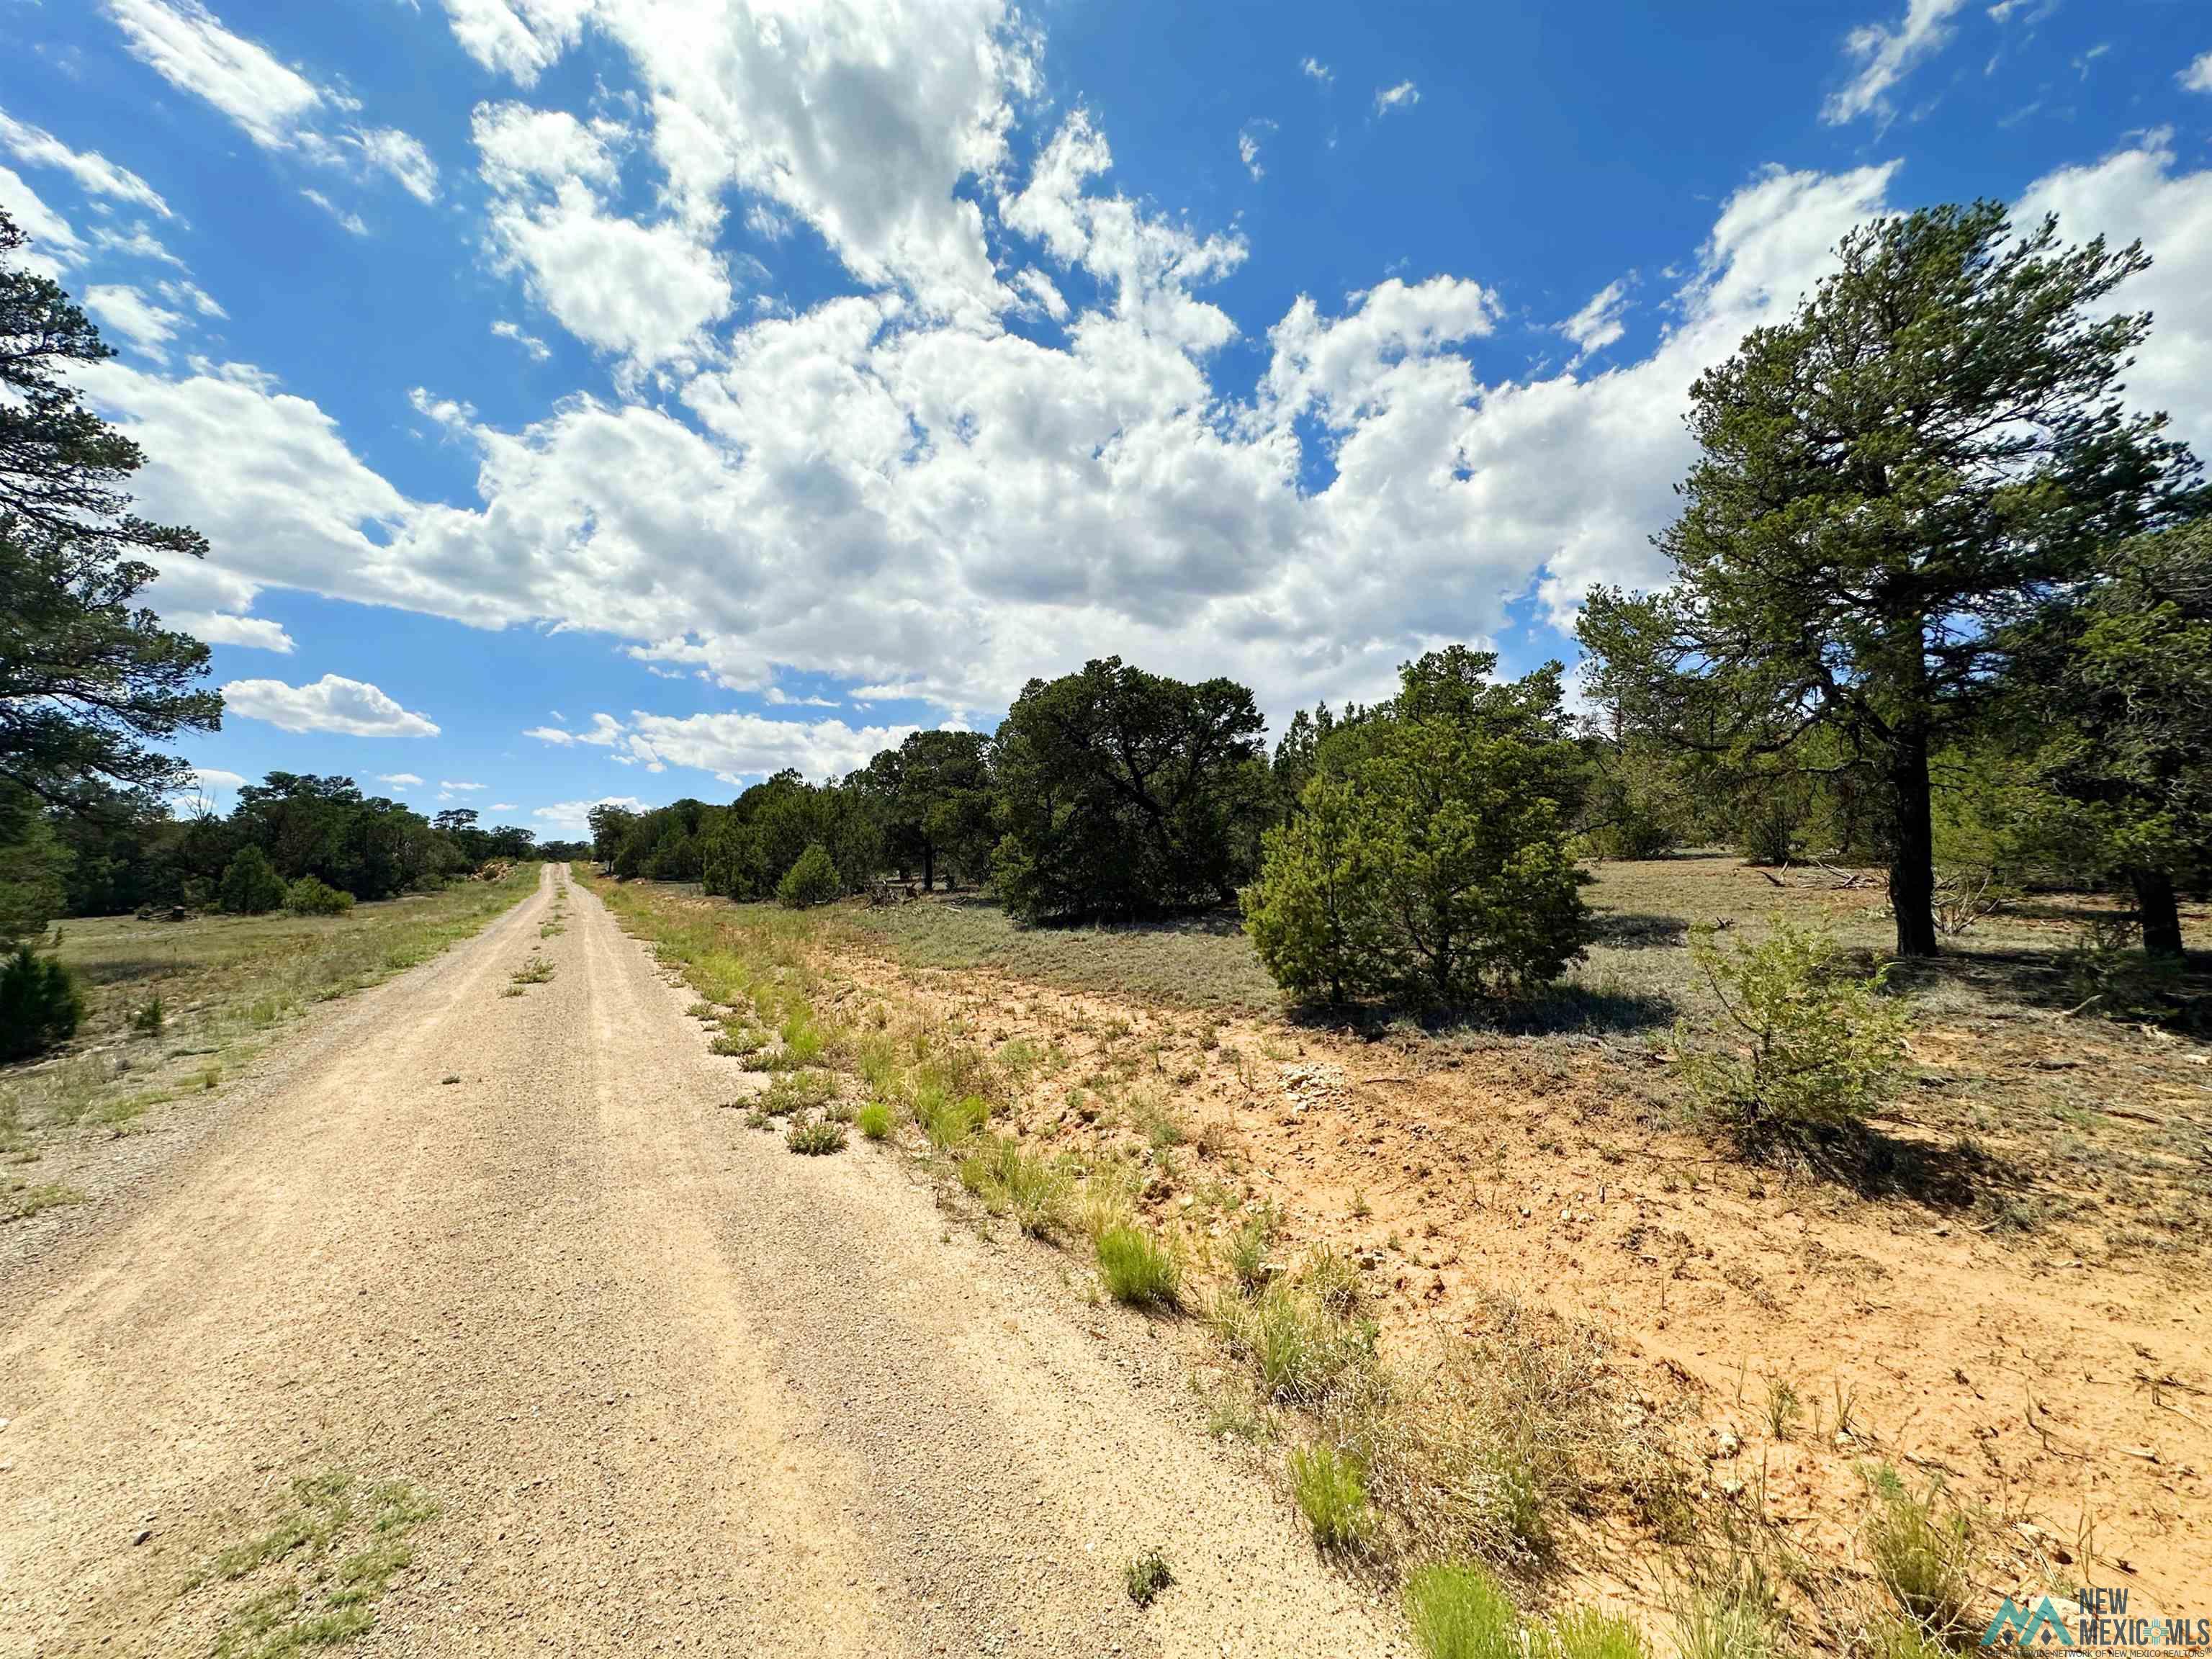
(1912, 851)
(929, 867)
(2160, 913)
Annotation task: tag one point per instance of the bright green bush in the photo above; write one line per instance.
(309, 897)
(811, 880)
(1457, 1611)
(1804, 1040)
(249, 884)
(875, 1120)
(39, 1004)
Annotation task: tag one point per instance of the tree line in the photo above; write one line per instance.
(1940, 598)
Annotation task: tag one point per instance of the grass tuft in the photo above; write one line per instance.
(1302, 1354)
(1457, 1611)
(1921, 1557)
(1014, 1182)
(875, 1120)
(1137, 1268)
(1330, 1486)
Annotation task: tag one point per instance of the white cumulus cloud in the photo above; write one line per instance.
(332, 704)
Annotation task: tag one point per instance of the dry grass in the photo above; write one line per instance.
(226, 985)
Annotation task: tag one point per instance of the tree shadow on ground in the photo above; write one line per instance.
(1876, 1163)
(1638, 930)
(2127, 985)
(125, 971)
(1563, 1009)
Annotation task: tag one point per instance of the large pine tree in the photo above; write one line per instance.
(90, 682)
(1931, 451)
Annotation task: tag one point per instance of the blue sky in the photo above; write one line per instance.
(625, 399)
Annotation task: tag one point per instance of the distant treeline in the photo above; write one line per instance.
(110, 853)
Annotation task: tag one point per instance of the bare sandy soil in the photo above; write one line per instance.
(671, 1388)
(2058, 1386)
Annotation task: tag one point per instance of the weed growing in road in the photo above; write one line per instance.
(1146, 1576)
(536, 971)
(738, 1040)
(796, 1092)
(21, 1199)
(814, 1136)
(548, 929)
(875, 1120)
(1457, 1611)
(1138, 1269)
(1330, 1486)
(320, 1568)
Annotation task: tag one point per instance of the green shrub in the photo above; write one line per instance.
(148, 1019)
(249, 884)
(1137, 1268)
(1146, 1576)
(1331, 1488)
(814, 1136)
(1428, 857)
(309, 897)
(40, 1004)
(811, 880)
(737, 1039)
(1457, 1610)
(875, 1120)
(1811, 1043)
(1920, 1556)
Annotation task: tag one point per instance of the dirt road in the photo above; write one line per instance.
(672, 1387)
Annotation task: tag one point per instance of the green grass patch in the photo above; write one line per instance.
(874, 1120)
(1330, 1484)
(1138, 1269)
(1457, 1610)
(1011, 1181)
(314, 1574)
